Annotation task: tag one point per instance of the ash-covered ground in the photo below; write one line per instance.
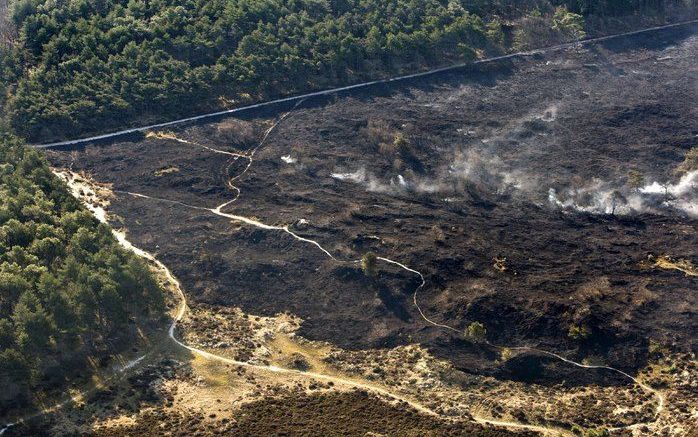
(507, 185)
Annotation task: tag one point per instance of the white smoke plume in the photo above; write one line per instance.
(601, 197)
(596, 197)
(488, 173)
(371, 182)
(686, 185)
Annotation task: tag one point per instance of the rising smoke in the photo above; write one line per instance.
(601, 197)
(490, 174)
(487, 173)
(478, 166)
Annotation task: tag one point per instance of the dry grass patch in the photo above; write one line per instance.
(682, 265)
(166, 170)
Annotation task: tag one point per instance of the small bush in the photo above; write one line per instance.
(476, 331)
(636, 179)
(378, 131)
(655, 348)
(438, 234)
(578, 332)
(369, 264)
(570, 24)
(506, 354)
(594, 360)
(400, 142)
(494, 32)
(598, 432)
(690, 161)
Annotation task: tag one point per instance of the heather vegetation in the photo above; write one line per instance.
(71, 67)
(68, 291)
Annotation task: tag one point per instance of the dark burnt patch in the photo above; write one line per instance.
(491, 253)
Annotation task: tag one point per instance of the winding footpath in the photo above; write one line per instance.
(346, 382)
(101, 215)
(182, 308)
(181, 311)
(255, 223)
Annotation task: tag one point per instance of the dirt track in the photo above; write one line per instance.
(602, 110)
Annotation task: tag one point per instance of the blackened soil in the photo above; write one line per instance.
(483, 149)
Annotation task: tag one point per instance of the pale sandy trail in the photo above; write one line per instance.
(285, 228)
(347, 382)
(182, 309)
(660, 397)
(657, 394)
(101, 215)
(506, 424)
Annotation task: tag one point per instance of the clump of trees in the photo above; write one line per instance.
(67, 289)
(77, 66)
(561, 26)
(98, 65)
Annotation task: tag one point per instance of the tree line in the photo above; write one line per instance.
(79, 66)
(67, 289)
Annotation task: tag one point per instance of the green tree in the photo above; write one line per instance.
(578, 333)
(33, 326)
(12, 286)
(494, 31)
(476, 331)
(569, 23)
(84, 66)
(67, 288)
(15, 374)
(369, 264)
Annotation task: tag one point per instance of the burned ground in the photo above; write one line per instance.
(452, 177)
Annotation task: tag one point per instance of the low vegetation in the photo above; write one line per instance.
(476, 331)
(578, 333)
(682, 265)
(369, 264)
(636, 179)
(67, 289)
(690, 161)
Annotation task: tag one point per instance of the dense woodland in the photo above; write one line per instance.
(67, 289)
(70, 67)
